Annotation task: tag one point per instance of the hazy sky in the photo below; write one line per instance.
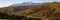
(4, 3)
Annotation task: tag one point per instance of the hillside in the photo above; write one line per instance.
(47, 11)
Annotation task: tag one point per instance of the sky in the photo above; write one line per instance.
(5, 3)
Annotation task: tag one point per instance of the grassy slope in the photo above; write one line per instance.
(45, 11)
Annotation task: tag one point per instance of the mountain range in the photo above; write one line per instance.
(25, 4)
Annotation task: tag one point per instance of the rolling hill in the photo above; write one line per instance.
(47, 11)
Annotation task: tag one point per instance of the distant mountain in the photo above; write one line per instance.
(25, 4)
(22, 6)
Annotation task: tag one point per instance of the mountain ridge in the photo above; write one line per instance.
(25, 4)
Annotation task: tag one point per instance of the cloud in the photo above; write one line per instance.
(3, 4)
